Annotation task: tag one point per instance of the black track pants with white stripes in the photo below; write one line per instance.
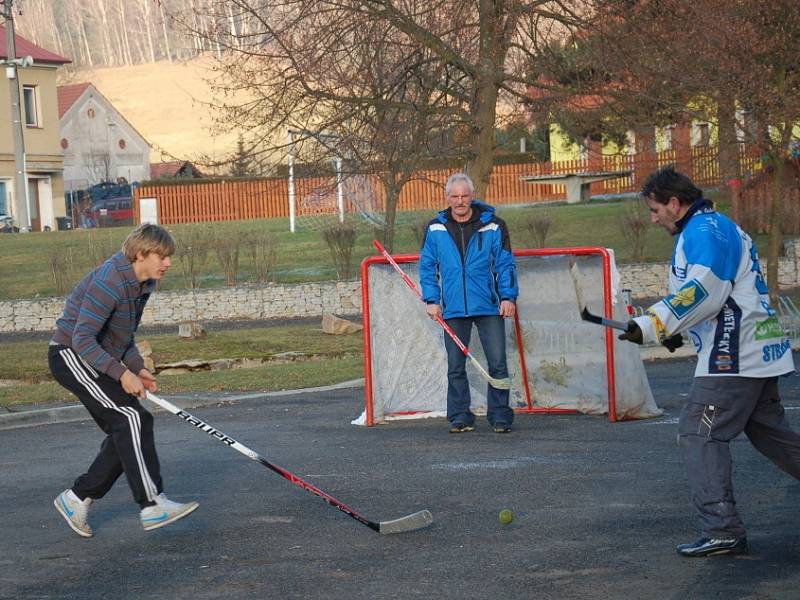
(129, 445)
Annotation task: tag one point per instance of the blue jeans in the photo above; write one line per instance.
(492, 333)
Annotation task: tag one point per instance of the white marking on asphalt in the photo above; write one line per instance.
(503, 463)
(669, 421)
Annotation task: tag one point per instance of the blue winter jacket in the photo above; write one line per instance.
(468, 268)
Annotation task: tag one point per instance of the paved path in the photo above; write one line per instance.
(599, 508)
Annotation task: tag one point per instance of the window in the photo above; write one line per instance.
(703, 134)
(31, 106)
(3, 199)
(669, 137)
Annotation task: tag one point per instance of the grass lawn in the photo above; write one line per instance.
(26, 268)
(328, 359)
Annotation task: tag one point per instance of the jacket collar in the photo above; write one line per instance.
(128, 275)
(699, 205)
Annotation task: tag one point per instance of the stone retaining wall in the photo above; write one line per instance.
(172, 307)
(308, 299)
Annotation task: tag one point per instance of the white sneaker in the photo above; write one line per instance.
(164, 512)
(74, 512)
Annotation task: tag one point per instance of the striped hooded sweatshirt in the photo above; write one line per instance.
(101, 316)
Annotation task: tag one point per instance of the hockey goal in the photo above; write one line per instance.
(557, 362)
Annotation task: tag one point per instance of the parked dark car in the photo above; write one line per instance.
(114, 209)
(112, 204)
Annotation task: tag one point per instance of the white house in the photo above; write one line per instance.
(99, 144)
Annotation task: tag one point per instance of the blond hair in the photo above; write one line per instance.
(147, 238)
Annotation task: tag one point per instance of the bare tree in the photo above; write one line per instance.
(471, 53)
(730, 62)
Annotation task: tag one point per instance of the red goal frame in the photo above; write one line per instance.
(603, 253)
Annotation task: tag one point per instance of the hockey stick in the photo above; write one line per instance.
(587, 316)
(500, 384)
(583, 307)
(417, 520)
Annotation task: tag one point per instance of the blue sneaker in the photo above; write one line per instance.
(713, 547)
(74, 510)
(164, 512)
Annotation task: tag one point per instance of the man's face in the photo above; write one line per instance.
(153, 266)
(460, 199)
(665, 215)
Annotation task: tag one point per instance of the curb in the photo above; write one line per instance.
(77, 412)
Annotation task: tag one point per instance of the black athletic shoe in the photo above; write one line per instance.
(713, 547)
(502, 428)
(461, 428)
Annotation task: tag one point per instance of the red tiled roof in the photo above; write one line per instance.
(165, 169)
(68, 95)
(26, 48)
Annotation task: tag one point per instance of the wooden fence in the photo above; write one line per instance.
(267, 198)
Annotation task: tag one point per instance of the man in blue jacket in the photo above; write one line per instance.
(718, 295)
(468, 276)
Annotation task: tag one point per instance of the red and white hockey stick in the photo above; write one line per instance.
(500, 384)
(411, 522)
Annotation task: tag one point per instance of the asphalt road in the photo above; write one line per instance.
(598, 509)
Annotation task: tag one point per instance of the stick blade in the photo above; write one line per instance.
(587, 316)
(500, 384)
(576, 284)
(418, 520)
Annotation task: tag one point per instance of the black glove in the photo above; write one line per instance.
(671, 343)
(634, 334)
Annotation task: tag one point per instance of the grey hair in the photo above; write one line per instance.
(458, 178)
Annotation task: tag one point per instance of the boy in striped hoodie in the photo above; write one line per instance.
(93, 355)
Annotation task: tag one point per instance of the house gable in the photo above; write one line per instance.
(99, 144)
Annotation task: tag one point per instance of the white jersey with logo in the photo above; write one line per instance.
(718, 294)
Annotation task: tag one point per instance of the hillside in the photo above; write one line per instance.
(168, 104)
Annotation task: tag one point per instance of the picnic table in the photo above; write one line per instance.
(578, 184)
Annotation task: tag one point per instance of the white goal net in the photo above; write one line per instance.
(321, 203)
(556, 361)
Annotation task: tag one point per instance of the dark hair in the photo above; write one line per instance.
(666, 183)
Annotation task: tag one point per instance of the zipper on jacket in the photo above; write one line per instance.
(464, 269)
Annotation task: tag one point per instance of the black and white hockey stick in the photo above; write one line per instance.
(417, 520)
(582, 306)
(498, 384)
(587, 316)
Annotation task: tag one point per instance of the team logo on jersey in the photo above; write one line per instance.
(686, 299)
(769, 329)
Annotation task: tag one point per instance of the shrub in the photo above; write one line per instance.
(227, 250)
(537, 227)
(192, 248)
(341, 239)
(262, 247)
(100, 246)
(634, 225)
(418, 227)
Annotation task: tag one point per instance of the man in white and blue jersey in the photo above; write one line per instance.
(718, 296)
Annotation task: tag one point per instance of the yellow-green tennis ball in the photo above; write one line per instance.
(506, 516)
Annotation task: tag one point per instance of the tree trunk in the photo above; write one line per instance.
(82, 25)
(730, 168)
(392, 190)
(146, 21)
(108, 49)
(775, 225)
(164, 30)
(492, 52)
